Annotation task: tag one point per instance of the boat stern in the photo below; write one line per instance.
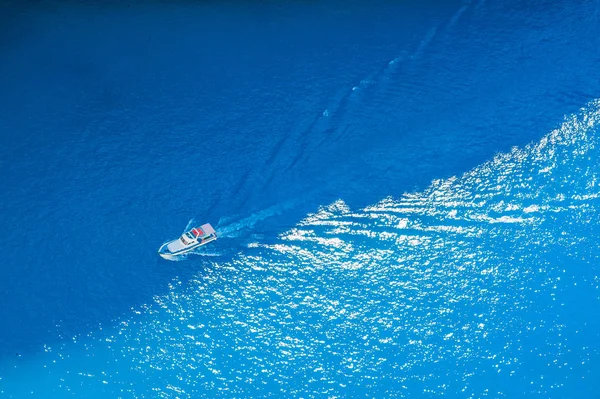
(208, 229)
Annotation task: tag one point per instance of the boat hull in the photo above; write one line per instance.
(166, 253)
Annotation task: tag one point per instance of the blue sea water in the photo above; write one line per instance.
(406, 193)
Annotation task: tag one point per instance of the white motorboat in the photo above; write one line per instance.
(190, 240)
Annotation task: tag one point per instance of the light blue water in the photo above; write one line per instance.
(406, 195)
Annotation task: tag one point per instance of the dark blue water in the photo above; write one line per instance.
(406, 195)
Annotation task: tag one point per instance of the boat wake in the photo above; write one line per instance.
(228, 228)
(198, 251)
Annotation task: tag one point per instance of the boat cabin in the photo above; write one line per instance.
(198, 234)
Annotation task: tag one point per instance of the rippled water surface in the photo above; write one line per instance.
(406, 196)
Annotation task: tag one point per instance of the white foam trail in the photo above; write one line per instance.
(202, 252)
(175, 258)
(458, 14)
(198, 251)
(235, 229)
(425, 42)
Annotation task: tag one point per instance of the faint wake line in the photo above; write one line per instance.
(233, 230)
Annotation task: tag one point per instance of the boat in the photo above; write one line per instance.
(189, 240)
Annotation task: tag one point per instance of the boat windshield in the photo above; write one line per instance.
(190, 235)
